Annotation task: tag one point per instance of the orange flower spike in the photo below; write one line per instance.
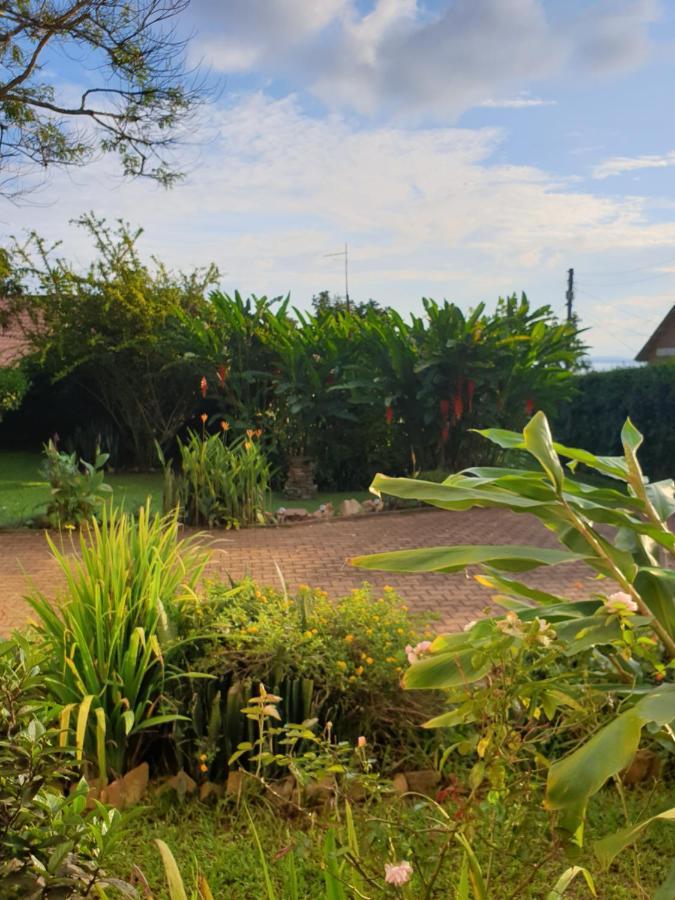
(258, 432)
(204, 417)
(249, 433)
(203, 386)
(224, 425)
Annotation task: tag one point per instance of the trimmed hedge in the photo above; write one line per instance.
(593, 419)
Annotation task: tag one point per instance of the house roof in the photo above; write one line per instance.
(669, 319)
(13, 344)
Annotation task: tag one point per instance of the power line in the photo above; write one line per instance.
(630, 271)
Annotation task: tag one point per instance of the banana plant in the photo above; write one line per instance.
(633, 611)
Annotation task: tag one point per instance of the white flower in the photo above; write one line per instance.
(621, 604)
(546, 634)
(414, 653)
(397, 873)
(510, 625)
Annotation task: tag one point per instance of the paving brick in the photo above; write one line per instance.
(317, 554)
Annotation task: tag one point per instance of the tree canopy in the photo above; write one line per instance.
(133, 86)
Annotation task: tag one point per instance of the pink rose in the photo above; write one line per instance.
(397, 873)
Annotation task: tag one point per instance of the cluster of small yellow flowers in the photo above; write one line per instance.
(349, 638)
(358, 670)
(341, 664)
(202, 763)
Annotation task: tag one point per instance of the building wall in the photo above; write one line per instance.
(12, 343)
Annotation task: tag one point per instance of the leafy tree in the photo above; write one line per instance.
(117, 329)
(135, 91)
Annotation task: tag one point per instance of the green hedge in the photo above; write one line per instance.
(593, 419)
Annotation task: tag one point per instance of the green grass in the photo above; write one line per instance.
(217, 842)
(24, 496)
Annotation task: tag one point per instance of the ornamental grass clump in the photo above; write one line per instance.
(111, 643)
(219, 483)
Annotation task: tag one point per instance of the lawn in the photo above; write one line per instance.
(23, 495)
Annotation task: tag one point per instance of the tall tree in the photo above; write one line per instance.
(135, 87)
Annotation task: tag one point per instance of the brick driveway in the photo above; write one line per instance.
(316, 554)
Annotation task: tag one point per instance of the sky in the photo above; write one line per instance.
(462, 149)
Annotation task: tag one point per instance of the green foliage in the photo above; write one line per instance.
(116, 329)
(622, 642)
(14, 386)
(77, 489)
(50, 845)
(367, 386)
(602, 402)
(219, 483)
(337, 661)
(110, 645)
(132, 58)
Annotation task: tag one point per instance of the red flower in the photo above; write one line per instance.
(222, 372)
(203, 386)
(445, 409)
(458, 402)
(470, 389)
(445, 433)
(389, 414)
(529, 406)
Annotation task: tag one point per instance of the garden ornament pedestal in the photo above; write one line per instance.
(300, 480)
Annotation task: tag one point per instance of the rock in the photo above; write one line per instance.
(181, 783)
(325, 511)
(128, 790)
(400, 783)
(235, 782)
(373, 506)
(209, 790)
(292, 514)
(646, 764)
(350, 508)
(423, 781)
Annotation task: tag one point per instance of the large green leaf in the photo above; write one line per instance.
(566, 880)
(539, 442)
(657, 588)
(609, 847)
(574, 779)
(445, 670)
(509, 557)
(459, 493)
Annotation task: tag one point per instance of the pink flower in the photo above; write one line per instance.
(397, 873)
(621, 603)
(414, 653)
(361, 741)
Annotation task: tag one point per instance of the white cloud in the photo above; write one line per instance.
(617, 165)
(400, 58)
(424, 212)
(521, 102)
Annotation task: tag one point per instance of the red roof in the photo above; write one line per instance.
(13, 344)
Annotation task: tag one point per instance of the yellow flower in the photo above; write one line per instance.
(349, 638)
(399, 631)
(252, 629)
(341, 664)
(369, 660)
(203, 757)
(369, 632)
(390, 659)
(70, 527)
(363, 655)
(359, 670)
(399, 668)
(203, 768)
(308, 634)
(352, 678)
(315, 630)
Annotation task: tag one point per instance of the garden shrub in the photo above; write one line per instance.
(219, 484)
(337, 661)
(112, 642)
(13, 387)
(50, 844)
(544, 671)
(77, 487)
(602, 402)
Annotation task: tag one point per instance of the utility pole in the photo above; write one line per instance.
(570, 294)
(344, 253)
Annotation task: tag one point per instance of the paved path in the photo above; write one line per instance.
(316, 554)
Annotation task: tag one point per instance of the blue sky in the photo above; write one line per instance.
(463, 149)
